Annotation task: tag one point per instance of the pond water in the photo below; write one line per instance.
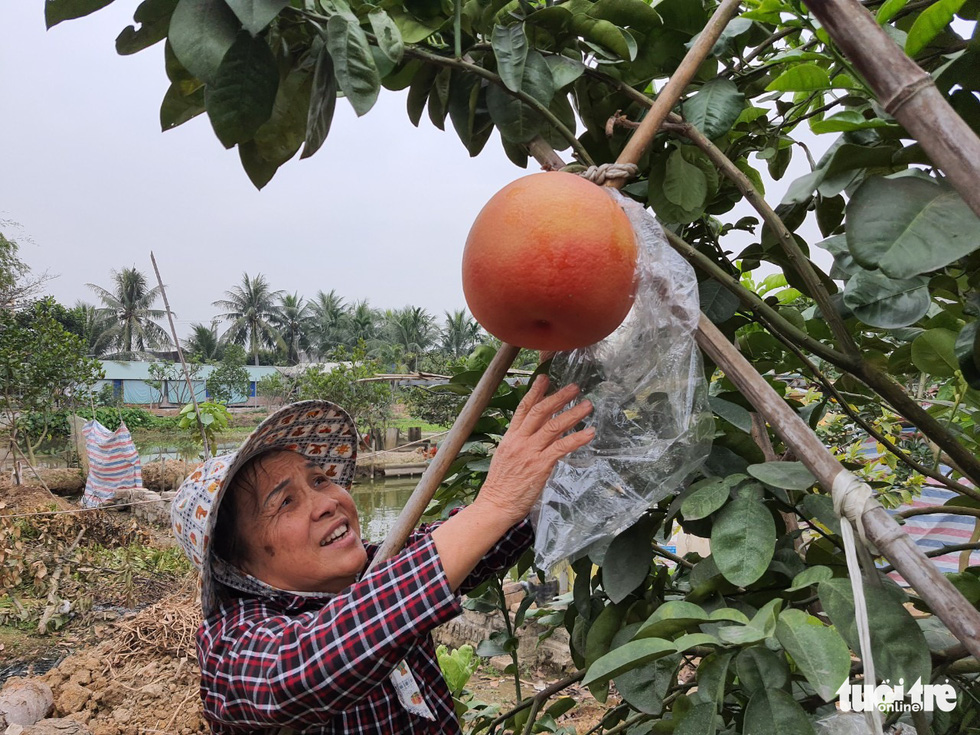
(379, 503)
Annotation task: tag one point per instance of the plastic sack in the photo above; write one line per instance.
(653, 426)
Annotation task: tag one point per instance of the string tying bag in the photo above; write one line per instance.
(647, 385)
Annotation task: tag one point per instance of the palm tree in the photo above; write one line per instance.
(292, 317)
(203, 343)
(250, 309)
(460, 334)
(95, 327)
(413, 328)
(130, 307)
(360, 324)
(327, 314)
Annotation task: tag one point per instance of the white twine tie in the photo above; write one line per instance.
(852, 497)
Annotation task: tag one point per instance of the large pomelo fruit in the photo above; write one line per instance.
(550, 263)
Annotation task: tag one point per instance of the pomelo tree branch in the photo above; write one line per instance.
(853, 362)
(797, 259)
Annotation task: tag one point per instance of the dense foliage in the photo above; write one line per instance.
(43, 369)
(887, 337)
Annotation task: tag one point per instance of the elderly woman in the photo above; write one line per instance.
(296, 636)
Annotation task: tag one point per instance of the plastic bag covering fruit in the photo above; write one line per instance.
(549, 263)
(653, 426)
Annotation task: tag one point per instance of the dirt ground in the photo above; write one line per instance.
(122, 661)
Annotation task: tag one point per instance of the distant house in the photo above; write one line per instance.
(131, 381)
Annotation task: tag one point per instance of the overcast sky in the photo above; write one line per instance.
(381, 212)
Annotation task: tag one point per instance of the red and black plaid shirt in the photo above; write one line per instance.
(321, 664)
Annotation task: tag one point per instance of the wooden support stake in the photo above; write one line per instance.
(432, 477)
(906, 92)
(672, 91)
(183, 363)
(962, 619)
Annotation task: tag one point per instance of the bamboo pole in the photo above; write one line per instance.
(962, 619)
(672, 91)
(906, 92)
(183, 363)
(432, 477)
(549, 159)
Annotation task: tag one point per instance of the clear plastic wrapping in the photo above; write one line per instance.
(653, 426)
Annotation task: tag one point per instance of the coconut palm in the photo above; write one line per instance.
(203, 344)
(413, 328)
(327, 317)
(360, 324)
(250, 307)
(94, 326)
(292, 318)
(129, 306)
(460, 334)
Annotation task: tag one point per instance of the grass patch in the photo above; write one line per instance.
(404, 424)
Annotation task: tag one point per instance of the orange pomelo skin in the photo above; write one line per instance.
(550, 263)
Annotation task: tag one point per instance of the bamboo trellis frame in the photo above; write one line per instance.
(845, 21)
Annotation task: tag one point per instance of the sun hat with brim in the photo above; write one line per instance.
(319, 430)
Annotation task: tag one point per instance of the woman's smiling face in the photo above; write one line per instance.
(299, 530)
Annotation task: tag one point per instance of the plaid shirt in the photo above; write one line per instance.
(320, 664)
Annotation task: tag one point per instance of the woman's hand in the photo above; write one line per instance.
(531, 448)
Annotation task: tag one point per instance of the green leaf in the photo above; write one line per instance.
(201, 33)
(153, 16)
(282, 135)
(601, 633)
(412, 29)
(818, 650)
(244, 90)
(684, 184)
(898, 644)
(389, 37)
(644, 687)
(518, 122)
(787, 475)
(712, 677)
(762, 626)
(885, 302)
(930, 24)
(757, 668)
(907, 226)
(255, 15)
(323, 102)
(357, 75)
(627, 561)
(471, 120)
(801, 78)
(934, 353)
(56, 11)
(717, 302)
(627, 13)
(715, 108)
(672, 617)
(809, 576)
(743, 539)
(709, 496)
(700, 720)
(510, 49)
(967, 349)
(774, 711)
(626, 657)
(821, 508)
(846, 122)
(888, 10)
(564, 70)
(178, 108)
